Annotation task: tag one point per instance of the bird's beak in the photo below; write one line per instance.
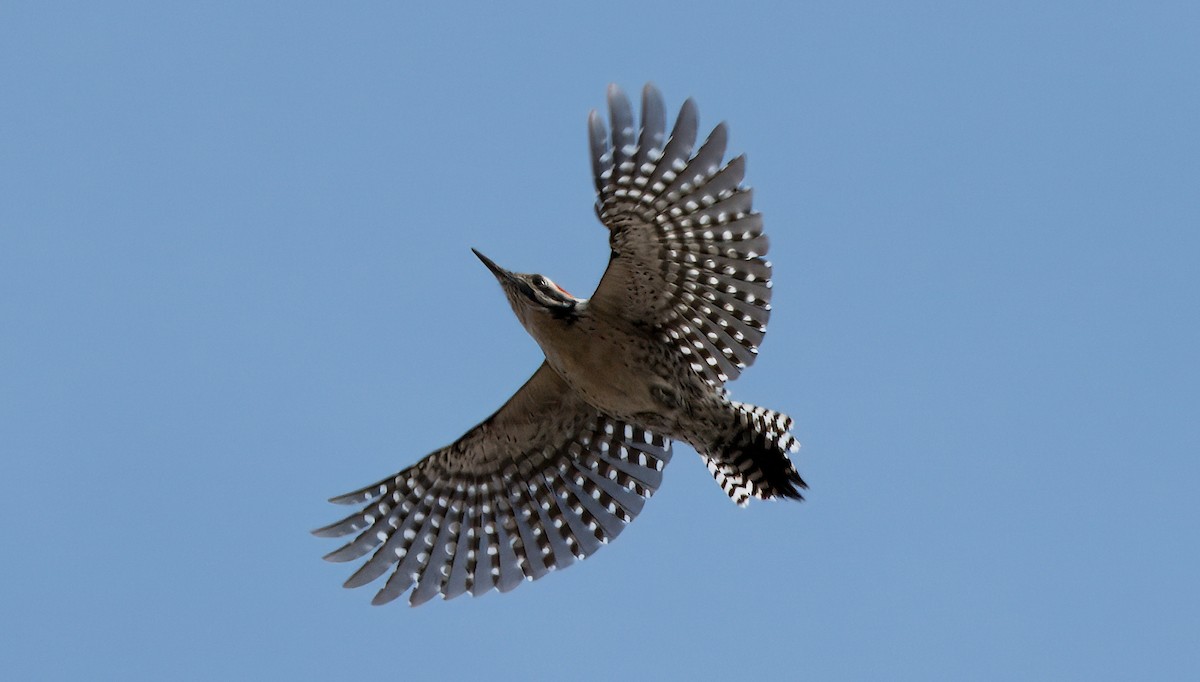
(500, 273)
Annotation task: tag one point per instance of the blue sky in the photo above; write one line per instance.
(235, 280)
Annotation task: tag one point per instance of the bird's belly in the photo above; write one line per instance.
(615, 385)
(615, 380)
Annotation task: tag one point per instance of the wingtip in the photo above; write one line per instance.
(360, 577)
(383, 597)
(415, 600)
(362, 495)
(617, 100)
(325, 531)
(338, 556)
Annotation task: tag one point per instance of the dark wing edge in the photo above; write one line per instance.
(687, 250)
(542, 482)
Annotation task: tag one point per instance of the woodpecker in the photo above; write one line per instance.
(569, 460)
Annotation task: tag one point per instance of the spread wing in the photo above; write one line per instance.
(543, 481)
(687, 250)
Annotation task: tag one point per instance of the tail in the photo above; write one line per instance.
(751, 460)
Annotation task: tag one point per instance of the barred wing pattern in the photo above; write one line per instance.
(542, 482)
(687, 250)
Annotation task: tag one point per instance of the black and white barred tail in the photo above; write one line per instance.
(751, 458)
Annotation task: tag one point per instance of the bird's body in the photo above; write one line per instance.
(620, 369)
(631, 374)
(561, 467)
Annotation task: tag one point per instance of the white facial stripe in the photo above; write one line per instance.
(550, 293)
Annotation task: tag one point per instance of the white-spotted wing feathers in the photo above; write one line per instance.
(687, 250)
(542, 482)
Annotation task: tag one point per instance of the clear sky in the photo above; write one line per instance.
(235, 280)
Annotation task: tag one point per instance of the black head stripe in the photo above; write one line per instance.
(526, 290)
(565, 311)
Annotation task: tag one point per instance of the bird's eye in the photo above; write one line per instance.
(540, 281)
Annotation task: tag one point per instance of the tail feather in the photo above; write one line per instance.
(753, 461)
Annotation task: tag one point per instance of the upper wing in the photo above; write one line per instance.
(542, 481)
(686, 247)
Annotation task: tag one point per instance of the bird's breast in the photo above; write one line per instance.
(615, 371)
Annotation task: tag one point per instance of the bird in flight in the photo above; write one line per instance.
(569, 460)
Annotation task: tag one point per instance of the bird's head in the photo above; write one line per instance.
(534, 298)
